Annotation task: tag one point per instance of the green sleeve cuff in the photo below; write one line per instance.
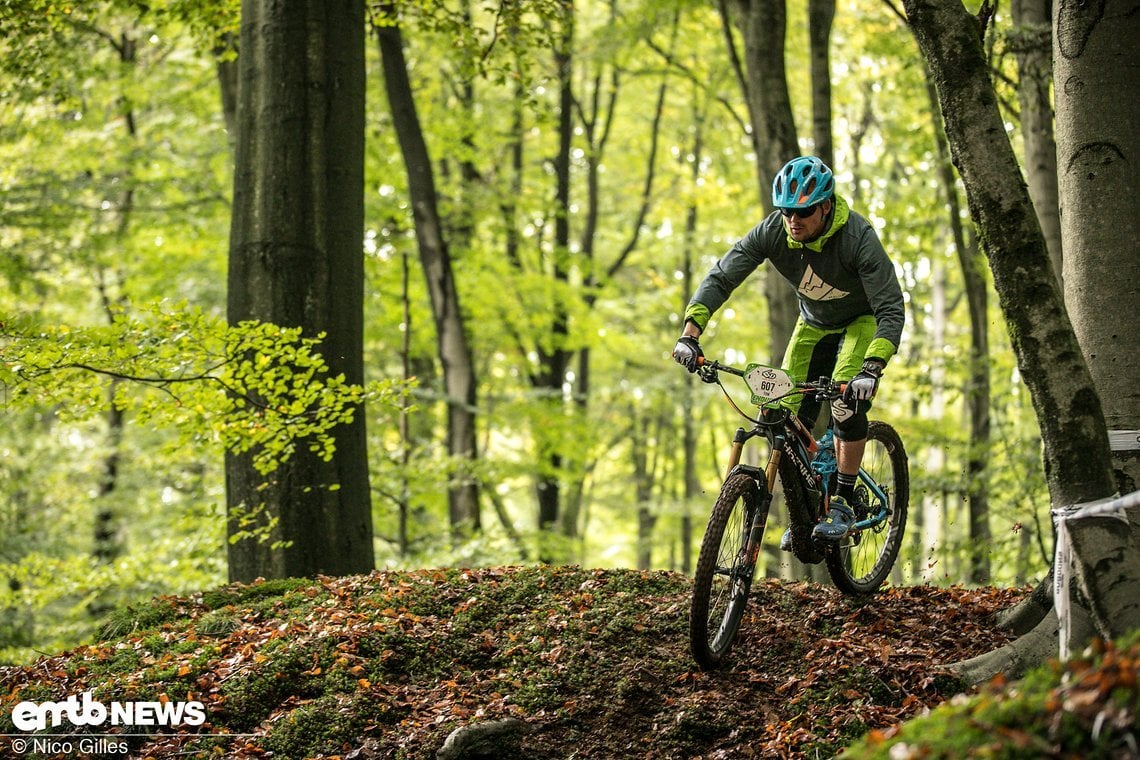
(699, 313)
(880, 348)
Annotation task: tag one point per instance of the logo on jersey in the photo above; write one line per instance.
(815, 289)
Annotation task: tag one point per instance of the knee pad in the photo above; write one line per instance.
(850, 424)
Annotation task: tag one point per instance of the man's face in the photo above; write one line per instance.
(802, 229)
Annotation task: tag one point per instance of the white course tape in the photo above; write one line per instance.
(1124, 440)
(1062, 561)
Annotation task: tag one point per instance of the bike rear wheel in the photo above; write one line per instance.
(863, 560)
(725, 568)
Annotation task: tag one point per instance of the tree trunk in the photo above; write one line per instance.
(1097, 63)
(596, 123)
(596, 126)
(107, 538)
(821, 14)
(107, 543)
(296, 260)
(1106, 564)
(1077, 458)
(643, 487)
(547, 378)
(689, 429)
(435, 257)
(765, 86)
(858, 134)
(417, 431)
(554, 357)
(1035, 76)
(227, 71)
(1064, 398)
(927, 530)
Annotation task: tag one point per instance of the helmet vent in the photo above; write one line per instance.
(803, 182)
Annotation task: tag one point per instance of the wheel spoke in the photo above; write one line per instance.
(724, 574)
(864, 560)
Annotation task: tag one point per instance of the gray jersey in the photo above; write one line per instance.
(843, 275)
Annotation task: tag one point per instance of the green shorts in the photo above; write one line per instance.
(839, 354)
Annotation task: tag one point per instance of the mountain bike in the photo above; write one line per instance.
(858, 564)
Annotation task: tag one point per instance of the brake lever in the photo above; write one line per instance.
(828, 390)
(707, 373)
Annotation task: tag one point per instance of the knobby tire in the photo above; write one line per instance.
(724, 570)
(861, 562)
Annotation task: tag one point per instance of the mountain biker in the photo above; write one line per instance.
(851, 311)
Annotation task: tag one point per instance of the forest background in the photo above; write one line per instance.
(117, 173)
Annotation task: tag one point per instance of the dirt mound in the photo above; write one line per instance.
(582, 663)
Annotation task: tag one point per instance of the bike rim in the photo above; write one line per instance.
(865, 551)
(730, 580)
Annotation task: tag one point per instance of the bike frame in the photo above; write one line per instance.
(825, 465)
(814, 461)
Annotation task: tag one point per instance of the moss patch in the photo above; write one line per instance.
(595, 662)
(1087, 708)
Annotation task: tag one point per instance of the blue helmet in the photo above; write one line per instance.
(803, 182)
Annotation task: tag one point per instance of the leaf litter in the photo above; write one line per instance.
(594, 663)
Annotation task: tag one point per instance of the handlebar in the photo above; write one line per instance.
(715, 366)
(825, 388)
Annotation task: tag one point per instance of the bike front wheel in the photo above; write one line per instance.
(725, 568)
(863, 560)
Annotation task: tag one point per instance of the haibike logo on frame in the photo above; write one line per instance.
(804, 470)
(30, 716)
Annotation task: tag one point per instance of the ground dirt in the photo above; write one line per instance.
(590, 663)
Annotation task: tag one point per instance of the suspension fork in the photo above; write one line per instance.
(755, 533)
(756, 529)
(741, 437)
(774, 456)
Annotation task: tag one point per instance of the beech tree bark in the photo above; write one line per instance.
(1031, 40)
(1076, 448)
(227, 71)
(459, 381)
(1097, 71)
(821, 14)
(764, 82)
(296, 259)
(1064, 397)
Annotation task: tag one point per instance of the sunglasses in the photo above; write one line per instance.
(801, 213)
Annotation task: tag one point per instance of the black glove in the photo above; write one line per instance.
(862, 387)
(688, 353)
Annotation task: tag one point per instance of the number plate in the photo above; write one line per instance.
(768, 383)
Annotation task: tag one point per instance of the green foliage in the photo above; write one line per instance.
(115, 174)
(215, 23)
(252, 387)
(484, 40)
(197, 383)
